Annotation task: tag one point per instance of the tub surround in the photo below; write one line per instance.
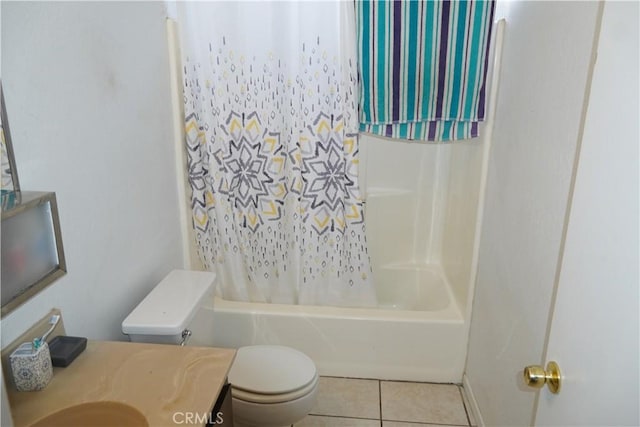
(158, 380)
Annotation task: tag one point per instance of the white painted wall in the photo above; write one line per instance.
(546, 57)
(87, 93)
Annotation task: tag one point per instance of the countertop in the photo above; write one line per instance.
(158, 380)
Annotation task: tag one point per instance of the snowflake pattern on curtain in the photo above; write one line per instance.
(273, 167)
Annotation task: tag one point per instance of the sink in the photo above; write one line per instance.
(98, 414)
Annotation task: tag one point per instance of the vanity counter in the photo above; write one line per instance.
(164, 382)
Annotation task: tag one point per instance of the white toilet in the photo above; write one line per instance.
(271, 386)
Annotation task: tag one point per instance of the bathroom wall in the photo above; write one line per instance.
(547, 53)
(422, 201)
(87, 94)
(405, 184)
(460, 218)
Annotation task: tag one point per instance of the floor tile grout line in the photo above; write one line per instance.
(380, 401)
(343, 416)
(381, 420)
(419, 382)
(424, 422)
(390, 381)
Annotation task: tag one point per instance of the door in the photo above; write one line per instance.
(594, 330)
(544, 79)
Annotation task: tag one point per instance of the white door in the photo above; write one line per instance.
(547, 55)
(594, 330)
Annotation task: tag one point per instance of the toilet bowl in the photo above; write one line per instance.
(271, 386)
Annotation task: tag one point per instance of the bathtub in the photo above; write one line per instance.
(396, 341)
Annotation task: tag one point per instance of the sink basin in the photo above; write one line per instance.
(98, 414)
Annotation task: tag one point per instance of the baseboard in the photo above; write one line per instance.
(471, 402)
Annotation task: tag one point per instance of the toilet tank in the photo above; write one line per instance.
(181, 301)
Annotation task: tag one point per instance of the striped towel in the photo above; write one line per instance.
(423, 67)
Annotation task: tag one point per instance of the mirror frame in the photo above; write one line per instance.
(8, 144)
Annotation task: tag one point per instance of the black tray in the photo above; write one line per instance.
(65, 349)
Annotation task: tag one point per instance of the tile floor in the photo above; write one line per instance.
(347, 402)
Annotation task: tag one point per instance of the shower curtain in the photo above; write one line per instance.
(270, 98)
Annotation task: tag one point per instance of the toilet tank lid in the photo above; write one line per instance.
(170, 306)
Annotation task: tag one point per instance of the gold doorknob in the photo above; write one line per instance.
(536, 376)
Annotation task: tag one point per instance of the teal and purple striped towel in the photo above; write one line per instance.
(423, 67)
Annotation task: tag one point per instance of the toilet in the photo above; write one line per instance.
(271, 385)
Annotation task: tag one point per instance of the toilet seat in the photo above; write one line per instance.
(273, 398)
(271, 374)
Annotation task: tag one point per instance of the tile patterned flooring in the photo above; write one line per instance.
(347, 402)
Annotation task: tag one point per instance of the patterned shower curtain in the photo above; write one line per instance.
(270, 98)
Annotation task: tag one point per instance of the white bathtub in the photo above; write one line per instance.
(418, 333)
